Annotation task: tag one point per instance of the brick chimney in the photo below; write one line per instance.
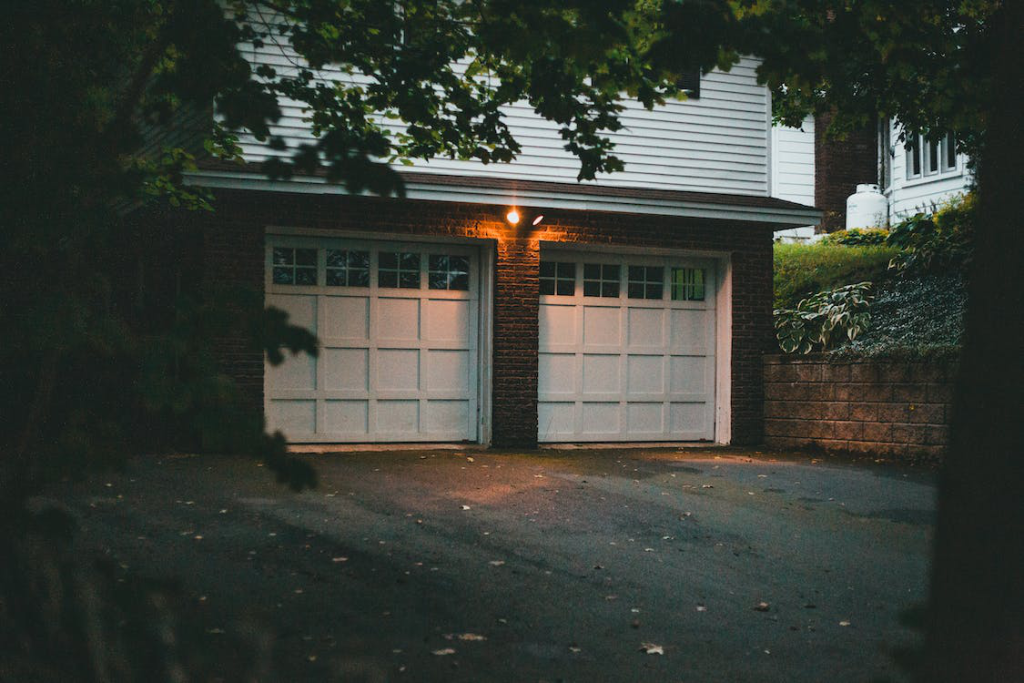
(839, 166)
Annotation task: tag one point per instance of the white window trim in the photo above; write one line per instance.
(923, 148)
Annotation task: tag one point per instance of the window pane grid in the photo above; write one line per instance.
(688, 284)
(448, 272)
(347, 268)
(558, 278)
(399, 270)
(601, 280)
(645, 282)
(294, 266)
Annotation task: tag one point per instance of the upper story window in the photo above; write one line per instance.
(930, 157)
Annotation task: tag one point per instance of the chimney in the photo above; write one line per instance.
(839, 166)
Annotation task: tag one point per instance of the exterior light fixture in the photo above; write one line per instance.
(512, 217)
(538, 219)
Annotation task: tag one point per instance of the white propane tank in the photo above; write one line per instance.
(867, 208)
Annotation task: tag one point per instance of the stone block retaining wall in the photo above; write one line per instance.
(889, 408)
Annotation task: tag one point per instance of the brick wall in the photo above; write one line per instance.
(885, 408)
(233, 253)
(839, 166)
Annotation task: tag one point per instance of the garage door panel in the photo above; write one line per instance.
(557, 374)
(557, 326)
(345, 318)
(301, 309)
(688, 331)
(445, 417)
(600, 374)
(688, 417)
(448, 320)
(646, 374)
(398, 417)
(688, 374)
(646, 418)
(448, 370)
(345, 369)
(396, 363)
(646, 327)
(398, 319)
(296, 372)
(347, 418)
(601, 326)
(297, 417)
(635, 360)
(601, 419)
(556, 420)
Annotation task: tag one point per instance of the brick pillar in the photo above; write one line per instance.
(516, 333)
(839, 166)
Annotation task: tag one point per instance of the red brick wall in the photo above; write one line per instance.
(839, 166)
(234, 253)
(877, 407)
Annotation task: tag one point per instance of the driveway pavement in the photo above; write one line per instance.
(607, 565)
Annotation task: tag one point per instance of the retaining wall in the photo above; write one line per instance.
(887, 408)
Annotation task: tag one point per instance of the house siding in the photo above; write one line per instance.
(233, 253)
(921, 195)
(718, 143)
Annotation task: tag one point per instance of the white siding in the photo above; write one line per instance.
(907, 197)
(793, 171)
(718, 143)
(793, 163)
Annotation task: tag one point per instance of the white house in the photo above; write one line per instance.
(511, 305)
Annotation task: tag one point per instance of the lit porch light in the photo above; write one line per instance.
(512, 217)
(538, 219)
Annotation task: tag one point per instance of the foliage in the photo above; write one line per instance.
(821, 321)
(926, 63)
(914, 317)
(802, 270)
(857, 237)
(936, 243)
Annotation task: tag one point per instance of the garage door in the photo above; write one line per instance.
(627, 348)
(399, 341)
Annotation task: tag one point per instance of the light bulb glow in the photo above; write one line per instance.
(538, 219)
(512, 216)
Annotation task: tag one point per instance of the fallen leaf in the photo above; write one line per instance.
(844, 623)
(702, 608)
(339, 559)
(761, 607)
(574, 649)
(465, 507)
(444, 651)
(472, 637)
(496, 563)
(707, 486)
(470, 460)
(652, 649)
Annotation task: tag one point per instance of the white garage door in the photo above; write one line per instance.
(398, 331)
(627, 348)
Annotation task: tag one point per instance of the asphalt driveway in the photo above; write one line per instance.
(608, 565)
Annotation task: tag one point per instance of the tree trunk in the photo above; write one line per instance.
(976, 613)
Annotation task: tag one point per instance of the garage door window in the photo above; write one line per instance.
(294, 266)
(399, 270)
(688, 284)
(600, 279)
(348, 268)
(646, 282)
(557, 278)
(448, 272)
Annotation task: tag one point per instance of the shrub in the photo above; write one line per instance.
(825, 318)
(857, 237)
(937, 243)
(801, 270)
